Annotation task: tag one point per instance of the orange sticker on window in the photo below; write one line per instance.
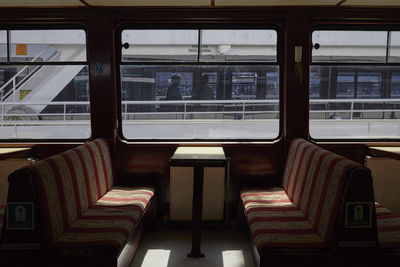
(21, 49)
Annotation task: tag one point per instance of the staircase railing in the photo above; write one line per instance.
(13, 80)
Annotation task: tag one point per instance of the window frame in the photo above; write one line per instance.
(11, 26)
(187, 26)
(347, 26)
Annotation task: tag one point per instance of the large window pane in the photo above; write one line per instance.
(394, 47)
(355, 102)
(349, 46)
(3, 46)
(45, 102)
(238, 45)
(159, 45)
(47, 45)
(200, 102)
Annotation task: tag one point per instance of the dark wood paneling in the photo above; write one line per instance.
(295, 100)
(102, 70)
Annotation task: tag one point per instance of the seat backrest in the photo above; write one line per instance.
(68, 183)
(315, 179)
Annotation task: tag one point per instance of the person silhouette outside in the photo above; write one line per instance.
(204, 92)
(173, 92)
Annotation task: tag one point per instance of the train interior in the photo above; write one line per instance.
(218, 133)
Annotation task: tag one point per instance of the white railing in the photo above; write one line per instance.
(13, 80)
(67, 112)
(184, 109)
(328, 111)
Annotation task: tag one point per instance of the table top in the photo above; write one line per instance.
(10, 152)
(386, 151)
(198, 155)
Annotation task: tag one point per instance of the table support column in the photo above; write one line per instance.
(197, 209)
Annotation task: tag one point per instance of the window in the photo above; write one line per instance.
(185, 84)
(355, 84)
(44, 87)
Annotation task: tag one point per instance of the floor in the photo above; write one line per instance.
(169, 248)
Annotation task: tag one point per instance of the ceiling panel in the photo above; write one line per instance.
(276, 2)
(149, 2)
(40, 3)
(371, 3)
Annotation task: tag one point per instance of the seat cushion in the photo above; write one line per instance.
(388, 228)
(137, 197)
(106, 226)
(276, 222)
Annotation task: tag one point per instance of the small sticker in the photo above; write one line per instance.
(23, 93)
(21, 49)
(358, 215)
(99, 68)
(20, 216)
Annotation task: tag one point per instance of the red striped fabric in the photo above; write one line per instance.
(95, 169)
(299, 199)
(302, 179)
(284, 231)
(74, 183)
(86, 176)
(298, 171)
(102, 217)
(107, 158)
(47, 221)
(388, 225)
(325, 183)
(313, 182)
(60, 189)
(104, 166)
(73, 211)
(290, 162)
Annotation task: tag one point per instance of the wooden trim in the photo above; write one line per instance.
(383, 153)
(85, 3)
(341, 2)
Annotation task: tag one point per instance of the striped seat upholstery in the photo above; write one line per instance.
(388, 228)
(302, 213)
(80, 206)
(276, 221)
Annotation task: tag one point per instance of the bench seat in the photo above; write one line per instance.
(275, 220)
(104, 227)
(306, 215)
(81, 214)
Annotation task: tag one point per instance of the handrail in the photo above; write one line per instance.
(13, 79)
(23, 69)
(243, 107)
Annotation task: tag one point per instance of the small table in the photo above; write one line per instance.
(12, 152)
(386, 151)
(198, 157)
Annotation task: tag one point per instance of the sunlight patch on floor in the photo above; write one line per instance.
(156, 257)
(233, 258)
